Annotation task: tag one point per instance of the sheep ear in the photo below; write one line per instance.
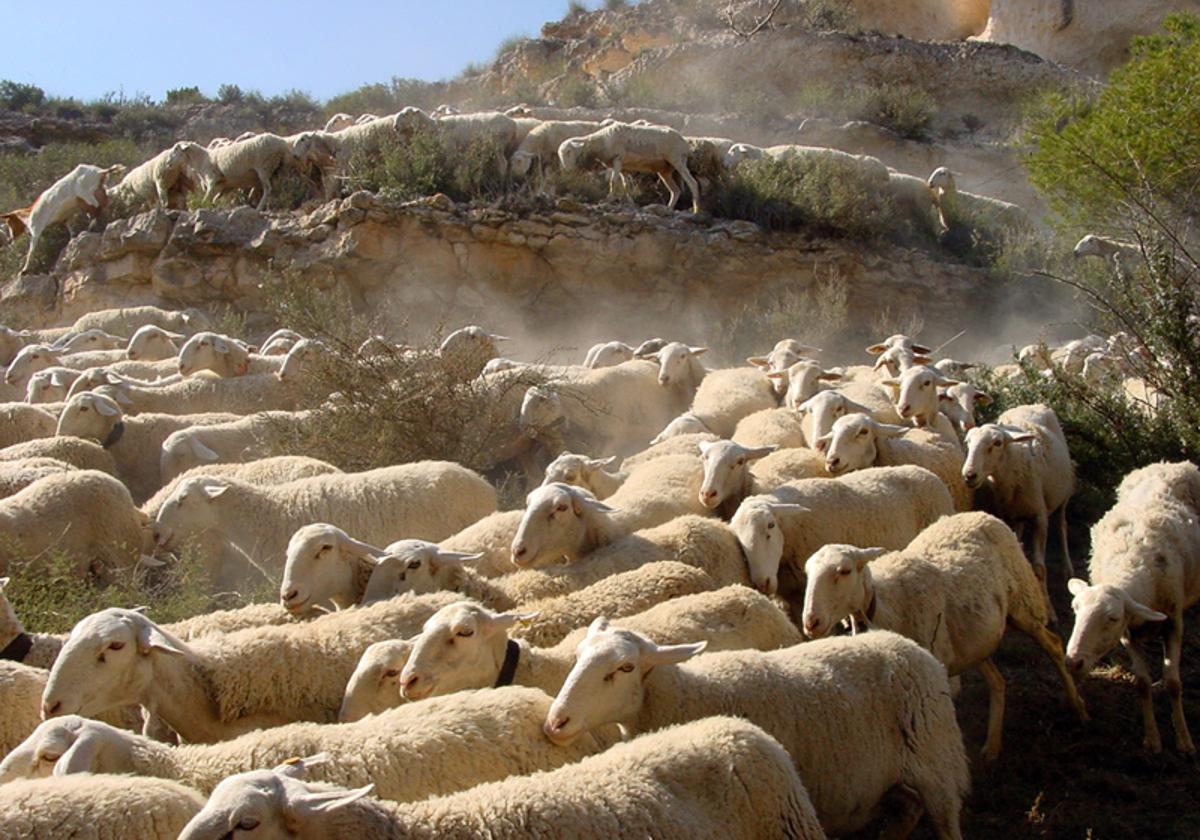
(4, 582)
(759, 452)
(297, 767)
(982, 398)
(830, 375)
(876, 349)
(203, 452)
(355, 548)
(821, 444)
(58, 380)
(213, 491)
(1076, 586)
(890, 383)
(1142, 611)
(671, 654)
(121, 398)
(697, 351)
(151, 638)
(866, 555)
(922, 350)
(788, 507)
(804, 407)
(80, 756)
(327, 801)
(706, 445)
(598, 625)
(889, 430)
(1019, 437)
(501, 622)
(602, 463)
(103, 408)
(758, 361)
(581, 502)
(456, 557)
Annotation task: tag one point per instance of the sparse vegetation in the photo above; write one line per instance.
(818, 314)
(905, 109)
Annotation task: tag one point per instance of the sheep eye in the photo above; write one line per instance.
(741, 461)
(391, 673)
(570, 476)
(560, 508)
(770, 526)
(626, 668)
(862, 432)
(116, 645)
(414, 564)
(49, 758)
(248, 824)
(465, 633)
(843, 572)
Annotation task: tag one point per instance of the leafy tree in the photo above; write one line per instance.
(15, 96)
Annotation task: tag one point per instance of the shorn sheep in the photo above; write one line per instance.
(882, 506)
(223, 685)
(466, 645)
(445, 745)
(857, 442)
(675, 783)
(953, 590)
(234, 520)
(621, 147)
(109, 807)
(876, 706)
(1145, 570)
(83, 188)
(1025, 468)
(251, 163)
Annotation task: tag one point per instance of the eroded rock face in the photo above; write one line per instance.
(1092, 36)
(558, 274)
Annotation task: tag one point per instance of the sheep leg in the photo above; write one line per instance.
(265, 180)
(1174, 684)
(1052, 644)
(686, 175)
(1041, 531)
(1068, 566)
(995, 681)
(1141, 672)
(669, 183)
(33, 240)
(615, 173)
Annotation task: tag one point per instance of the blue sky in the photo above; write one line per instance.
(326, 48)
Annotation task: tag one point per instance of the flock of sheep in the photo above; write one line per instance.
(523, 145)
(436, 667)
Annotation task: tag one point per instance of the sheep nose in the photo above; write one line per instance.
(905, 410)
(1074, 664)
(411, 687)
(833, 463)
(708, 497)
(289, 596)
(664, 380)
(970, 476)
(812, 625)
(557, 724)
(50, 710)
(519, 553)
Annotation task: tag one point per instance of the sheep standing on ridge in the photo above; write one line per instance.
(540, 145)
(169, 176)
(953, 590)
(83, 188)
(619, 147)
(252, 163)
(956, 207)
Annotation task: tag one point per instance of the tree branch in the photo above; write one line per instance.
(759, 23)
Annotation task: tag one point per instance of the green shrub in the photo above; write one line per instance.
(227, 94)
(905, 109)
(616, 5)
(16, 96)
(576, 8)
(816, 315)
(185, 96)
(405, 170)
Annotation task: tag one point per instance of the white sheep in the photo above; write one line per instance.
(20, 423)
(561, 520)
(21, 690)
(221, 354)
(954, 206)
(127, 320)
(589, 473)
(608, 354)
(277, 469)
(670, 784)
(912, 198)
(112, 807)
(876, 707)
(91, 339)
(168, 177)
(958, 404)
(198, 394)
(250, 163)
(801, 380)
(337, 122)
(255, 436)
(132, 441)
(871, 169)
(785, 353)
(686, 425)
(80, 454)
(1145, 569)
(1123, 255)
(540, 145)
(857, 442)
(726, 396)
(50, 385)
(620, 147)
(1023, 463)
(882, 506)
(679, 370)
(223, 685)
(152, 343)
(280, 342)
(445, 745)
(466, 645)
(15, 476)
(82, 515)
(235, 522)
(917, 397)
(732, 472)
(953, 590)
(83, 188)
(681, 444)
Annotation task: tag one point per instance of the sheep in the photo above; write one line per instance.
(83, 515)
(781, 427)
(466, 645)
(857, 442)
(912, 198)
(679, 370)
(280, 342)
(35, 357)
(727, 395)
(440, 747)
(456, 131)
(491, 537)
(21, 690)
(619, 147)
(1122, 255)
(128, 320)
(236, 522)
(541, 144)
(11, 343)
(732, 472)
(882, 506)
(902, 730)
(91, 339)
(608, 354)
(168, 176)
(588, 473)
(686, 425)
(1144, 569)
(610, 409)
(152, 344)
(248, 438)
(661, 785)
(802, 380)
(111, 807)
(50, 385)
(954, 206)
(252, 162)
(681, 444)
(958, 404)
(130, 440)
(83, 188)
(896, 360)
(871, 169)
(221, 354)
(565, 521)
(15, 476)
(278, 469)
(953, 590)
(337, 122)
(1024, 466)
(20, 423)
(80, 454)
(917, 398)
(223, 685)
(198, 394)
